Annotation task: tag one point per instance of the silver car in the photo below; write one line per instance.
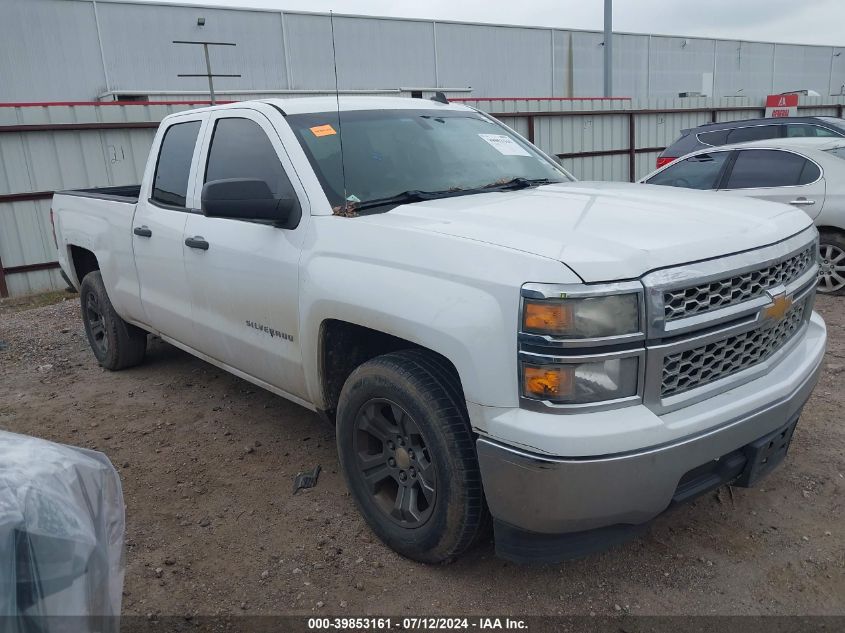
(808, 173)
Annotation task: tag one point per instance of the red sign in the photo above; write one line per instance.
(781, 105)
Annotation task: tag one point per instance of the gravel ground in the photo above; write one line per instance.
(208, 461)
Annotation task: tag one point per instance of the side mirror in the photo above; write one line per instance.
(248, 199)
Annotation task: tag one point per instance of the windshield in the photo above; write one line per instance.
(390, 153)
(831, 120)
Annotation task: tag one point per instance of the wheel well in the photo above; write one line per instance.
(84, 262)
(344, 346)
(831, 229)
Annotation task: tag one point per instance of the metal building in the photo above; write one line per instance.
(70, 50)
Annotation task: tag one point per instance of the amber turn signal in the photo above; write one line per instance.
(547, 317)
(550, 382)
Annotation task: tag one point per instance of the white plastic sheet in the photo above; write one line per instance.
(61, 532)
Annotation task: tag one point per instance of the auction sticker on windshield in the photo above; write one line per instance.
(505, 144)
(323, 130)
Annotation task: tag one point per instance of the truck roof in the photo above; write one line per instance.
(306, 105)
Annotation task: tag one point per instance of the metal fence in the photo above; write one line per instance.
(620, 139)
(49, 147)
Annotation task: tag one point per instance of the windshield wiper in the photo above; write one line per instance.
(517, 183)
(415, 195)
(406, 197)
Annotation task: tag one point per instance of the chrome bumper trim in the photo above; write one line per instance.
(557, 495)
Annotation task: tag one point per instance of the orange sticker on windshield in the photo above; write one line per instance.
(323, 130)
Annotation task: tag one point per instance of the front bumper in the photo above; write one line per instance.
(546, 495)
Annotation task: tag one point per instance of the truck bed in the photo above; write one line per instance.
(123, 193)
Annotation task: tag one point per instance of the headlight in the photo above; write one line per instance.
(582, 317)
(581, 382)
(581, 345)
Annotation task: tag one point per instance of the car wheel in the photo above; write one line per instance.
(408, 455)
(116, 344)
(832, 263)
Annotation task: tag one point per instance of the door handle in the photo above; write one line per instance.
(142, 231)
(197, 242)
(802, 202)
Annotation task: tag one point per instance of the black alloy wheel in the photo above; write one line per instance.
(394, 460)
(116, 344)
(407, 453)
(96, 324)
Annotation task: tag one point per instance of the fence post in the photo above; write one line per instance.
(632, 148)
(4, 289)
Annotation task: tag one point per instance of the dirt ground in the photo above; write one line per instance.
(207, 462)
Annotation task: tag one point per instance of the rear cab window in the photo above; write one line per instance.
(173, 167)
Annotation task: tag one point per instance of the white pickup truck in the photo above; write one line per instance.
(495, 342)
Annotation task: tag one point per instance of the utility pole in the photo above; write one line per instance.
(608, 48)
(208, 72)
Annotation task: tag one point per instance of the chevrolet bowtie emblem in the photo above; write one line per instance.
(779, 307)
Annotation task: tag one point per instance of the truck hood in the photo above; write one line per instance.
(607, 231)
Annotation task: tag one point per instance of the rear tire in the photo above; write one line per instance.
(408, 455)
(116, 344)
(831, 263)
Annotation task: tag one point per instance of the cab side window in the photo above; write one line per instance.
(796, 130)
(825, 132)
(756, 168)
(241, 149)
(716, 137)
(702, 171)
(173, 169)
(754, 133)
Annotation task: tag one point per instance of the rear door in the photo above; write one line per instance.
(779, 176)
(243, 278)
(158, 226)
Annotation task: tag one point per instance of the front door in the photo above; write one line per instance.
(779, 176)
(243, 275)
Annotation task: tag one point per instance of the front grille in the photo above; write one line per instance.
(685, 302)
(705, 364)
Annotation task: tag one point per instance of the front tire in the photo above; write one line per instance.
(408, 455)
(116, 344)
(831, 263)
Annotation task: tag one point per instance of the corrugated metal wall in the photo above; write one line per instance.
(370, 53)
(47, 148)
(495, 61)
(81, 49)
(34, 163)
(50, 51)
(139, 53)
